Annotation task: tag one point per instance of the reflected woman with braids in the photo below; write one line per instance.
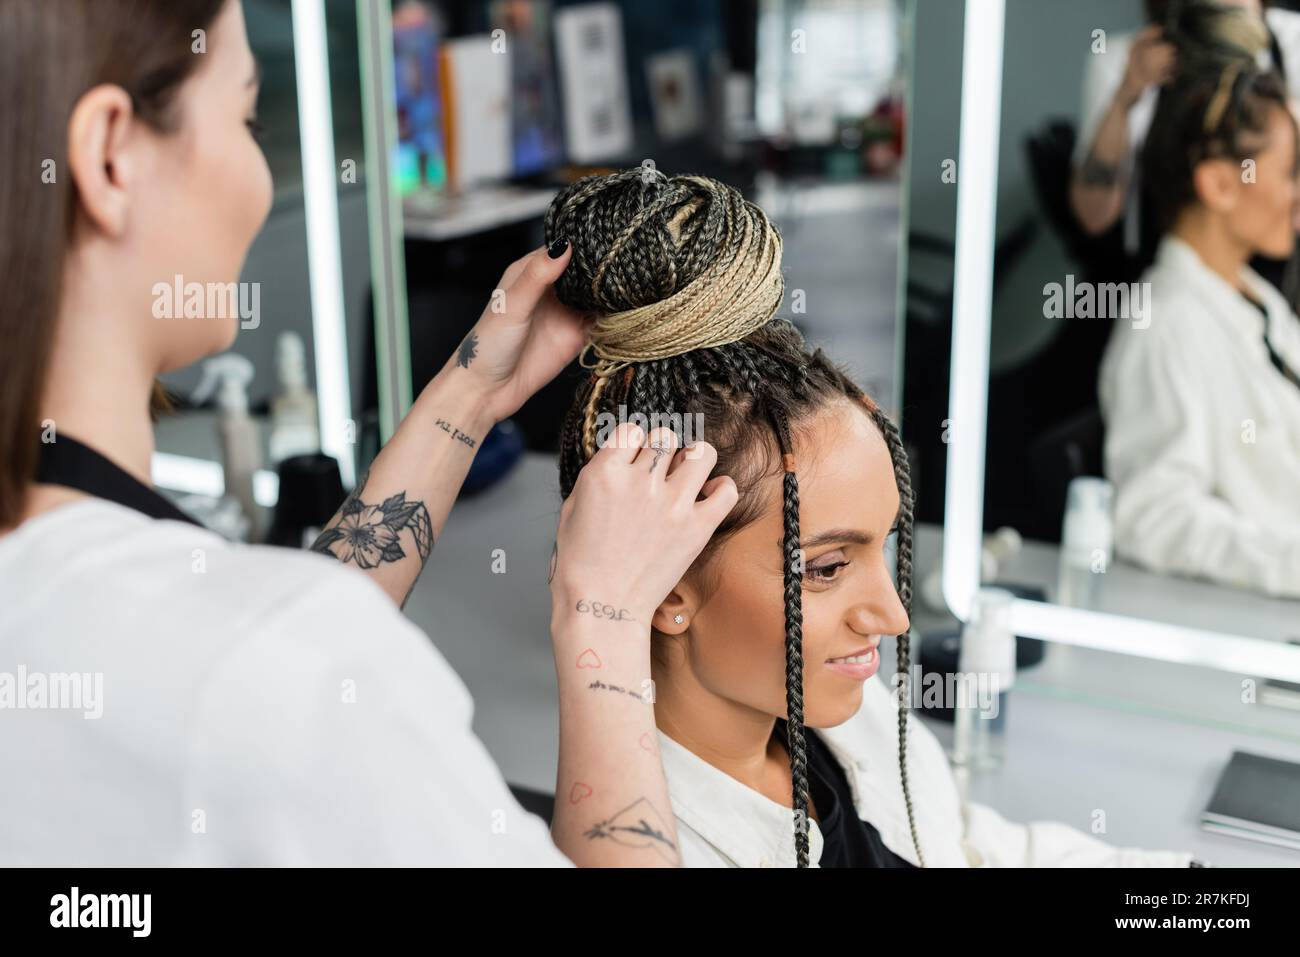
(782, 745)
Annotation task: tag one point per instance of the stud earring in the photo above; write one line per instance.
(678, 619)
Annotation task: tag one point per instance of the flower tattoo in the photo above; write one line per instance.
(369, 535)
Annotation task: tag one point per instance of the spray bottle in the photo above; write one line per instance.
(229, 375)
(295, 425)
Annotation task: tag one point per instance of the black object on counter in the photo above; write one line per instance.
(311, 491)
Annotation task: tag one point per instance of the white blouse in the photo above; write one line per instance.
(723, 823)
(1203, 431)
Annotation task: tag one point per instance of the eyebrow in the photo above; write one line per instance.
(851, 536)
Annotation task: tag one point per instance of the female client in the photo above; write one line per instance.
(765, 653)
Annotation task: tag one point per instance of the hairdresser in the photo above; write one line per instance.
(1122, 84)
(243, 705)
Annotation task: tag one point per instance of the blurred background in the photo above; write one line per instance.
(480, 111)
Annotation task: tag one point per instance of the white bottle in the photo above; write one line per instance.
(241, 449)
(986, 673)
(295, 425)
(1087, 541)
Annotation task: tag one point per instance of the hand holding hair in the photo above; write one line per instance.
(391, 520)
(633, 524)
(524, 336)
(628, 532)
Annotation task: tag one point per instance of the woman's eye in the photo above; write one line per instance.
(256, 128)
(826, 573)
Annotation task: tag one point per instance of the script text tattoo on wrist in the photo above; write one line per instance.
(455, 433)
(599, 685)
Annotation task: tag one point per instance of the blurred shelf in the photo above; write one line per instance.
(439, 217)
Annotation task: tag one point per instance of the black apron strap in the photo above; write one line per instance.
(68, 462)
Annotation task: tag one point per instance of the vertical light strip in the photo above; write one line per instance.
(324, 260)
(387, 255)
(907, 17)
(977, 181)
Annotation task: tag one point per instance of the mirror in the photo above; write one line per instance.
(1002, 406)
(307, 293)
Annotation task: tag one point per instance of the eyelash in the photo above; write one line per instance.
(819, 574)
(256, 128)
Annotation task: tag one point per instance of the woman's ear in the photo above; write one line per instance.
(1218, 184)
(673, 616)
(98, 156)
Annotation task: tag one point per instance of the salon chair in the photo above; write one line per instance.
(535, 802)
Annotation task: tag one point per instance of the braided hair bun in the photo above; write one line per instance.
(667, 264)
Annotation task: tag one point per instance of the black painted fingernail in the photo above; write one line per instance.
(557, 248)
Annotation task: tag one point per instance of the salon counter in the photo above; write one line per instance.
(1087, 731)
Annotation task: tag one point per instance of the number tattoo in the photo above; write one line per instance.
(601, 610)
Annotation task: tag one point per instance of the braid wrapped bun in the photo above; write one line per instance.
(667, 264)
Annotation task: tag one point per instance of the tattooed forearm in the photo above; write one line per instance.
(637, 825)
(455, 433)
(1095, 172)
(601, 610)
(369, 535)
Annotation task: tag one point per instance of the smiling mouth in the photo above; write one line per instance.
(862, 659)
(862, 656)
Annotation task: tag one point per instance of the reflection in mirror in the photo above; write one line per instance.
(296, 395)
(1143, 406)
(1141, 449)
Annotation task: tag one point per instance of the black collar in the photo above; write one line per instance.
(67, 462)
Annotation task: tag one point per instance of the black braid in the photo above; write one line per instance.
(793, 579)
(898, 454)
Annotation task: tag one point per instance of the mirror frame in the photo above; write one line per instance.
(980, 131)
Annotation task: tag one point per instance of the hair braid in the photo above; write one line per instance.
(902, 474)
(793, 581)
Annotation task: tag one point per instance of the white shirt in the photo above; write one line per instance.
(259, 707)
(1203, 432)
(723, 823)
(1105, 72)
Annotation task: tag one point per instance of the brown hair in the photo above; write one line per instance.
(51, 53)
(1202, 116)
